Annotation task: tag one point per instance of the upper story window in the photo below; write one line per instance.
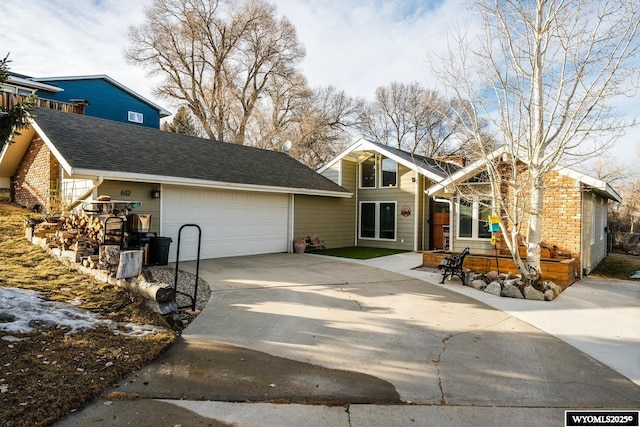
(389, 172)
(369, 176)
(134, 117)
(368, 173)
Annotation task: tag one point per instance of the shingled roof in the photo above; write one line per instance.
(92, 146)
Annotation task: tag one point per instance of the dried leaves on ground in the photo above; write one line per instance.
(51, 370)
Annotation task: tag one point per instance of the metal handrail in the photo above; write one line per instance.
(175, 282)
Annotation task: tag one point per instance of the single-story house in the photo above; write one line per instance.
(574, 217)
(246, 200)
(390, 207)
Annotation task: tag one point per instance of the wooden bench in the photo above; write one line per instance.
(313, 242)
(452, 266)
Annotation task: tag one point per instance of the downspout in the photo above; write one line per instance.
(416, 206)
(357, 215)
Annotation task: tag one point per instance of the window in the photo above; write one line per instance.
(389, 172)
(369, 176)
(135, 117)
(473, 218)
(368, 173)
(378, 220)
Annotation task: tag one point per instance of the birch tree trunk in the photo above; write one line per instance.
(543, 74)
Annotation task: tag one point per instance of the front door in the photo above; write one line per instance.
(439, 225)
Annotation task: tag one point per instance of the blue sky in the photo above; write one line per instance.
(355, 45)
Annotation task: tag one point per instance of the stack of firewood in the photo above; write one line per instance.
(80, 233)
(91, 228)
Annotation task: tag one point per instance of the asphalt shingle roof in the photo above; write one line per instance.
(439, 168)
(96, 144)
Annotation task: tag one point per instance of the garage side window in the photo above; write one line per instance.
(378, 220)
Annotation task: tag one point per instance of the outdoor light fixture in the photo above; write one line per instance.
(155, 193)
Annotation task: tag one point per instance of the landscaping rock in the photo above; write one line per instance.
(492, 276)
(549, 295)
(494, 288)
(533, 294)
(549, 285)
(478, 284)
(469, 277)
(511, 291)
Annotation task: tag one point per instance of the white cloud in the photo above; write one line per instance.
(354, 45)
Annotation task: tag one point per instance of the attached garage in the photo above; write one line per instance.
(232, 222)
(241, 197)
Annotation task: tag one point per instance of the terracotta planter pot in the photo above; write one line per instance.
(299, 246)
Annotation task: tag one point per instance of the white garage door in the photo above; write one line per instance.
(233, 222)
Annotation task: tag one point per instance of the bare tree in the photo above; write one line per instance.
(543, 73)
(217, 57)
(412, 118)
(322, 125)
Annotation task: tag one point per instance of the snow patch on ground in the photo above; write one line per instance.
(22, 311)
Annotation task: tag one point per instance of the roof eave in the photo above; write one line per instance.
(169, 180)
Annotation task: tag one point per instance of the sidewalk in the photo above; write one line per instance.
(600, 317)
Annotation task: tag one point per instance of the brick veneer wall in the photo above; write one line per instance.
(561, 217)
(562, 214)
(36, 177)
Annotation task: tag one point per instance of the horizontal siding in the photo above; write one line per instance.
(331, 219)
(136, 191)
(403, 195)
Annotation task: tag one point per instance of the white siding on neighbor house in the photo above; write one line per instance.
(233, 223)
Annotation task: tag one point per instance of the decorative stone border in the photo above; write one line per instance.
(512, 286)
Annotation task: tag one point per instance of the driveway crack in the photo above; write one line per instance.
(445, 340)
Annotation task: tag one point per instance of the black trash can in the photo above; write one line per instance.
(161, 250)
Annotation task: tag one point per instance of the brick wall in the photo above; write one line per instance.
(561, 217)
(36, 178)
(562, 214)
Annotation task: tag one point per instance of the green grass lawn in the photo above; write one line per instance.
(358, 252)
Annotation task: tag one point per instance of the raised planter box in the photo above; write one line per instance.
(560, 271)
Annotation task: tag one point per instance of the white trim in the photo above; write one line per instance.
(63, 162)
(377, 204)
(364, 145)
(475, 220)
(380, 175)
(594, 211)
(375, 172)
(161, 179)
(33, 84)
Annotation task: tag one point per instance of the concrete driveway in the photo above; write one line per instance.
(303, 329)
